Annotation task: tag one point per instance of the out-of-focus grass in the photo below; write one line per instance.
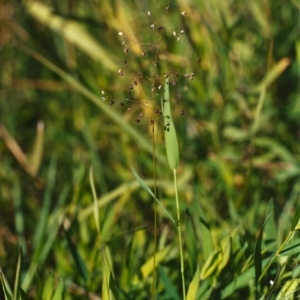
(238, 144)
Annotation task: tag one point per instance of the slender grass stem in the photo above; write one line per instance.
(179, 235)
(155, 214)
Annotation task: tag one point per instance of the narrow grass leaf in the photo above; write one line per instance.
(79, 262)
(258, 111)
(19, 214)
(39, 286)
(258, 258)
(53, 227)
(17, 284)
(205, 234)
(296, 219)
(274, 73)
(270, 227)
(169, 129)
(291, 248)
(23, 295)
(241, 281)
(95, 201)
(270, 293)
(145, 187)
(35, 158)
(211, 264)
(170, 290)
(5, 286)
(288, 291)
(226, 251)
(108, 289)
(194, 285)
(42, 223)
(191, 242)
(58, 294)
(296, 272)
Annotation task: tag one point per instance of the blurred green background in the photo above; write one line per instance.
(238, 137)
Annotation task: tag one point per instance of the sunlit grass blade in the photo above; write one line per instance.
(58, 294)
(36, 155)
(109, 291)
(194, 285)
(147, 267)
(273, 74)
(96, 208)
(48, 287)
(71, 30)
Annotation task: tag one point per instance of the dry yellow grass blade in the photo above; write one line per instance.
(16, 150)
(273, 74)
(72, 31)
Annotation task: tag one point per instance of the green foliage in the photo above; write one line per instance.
(77, 193)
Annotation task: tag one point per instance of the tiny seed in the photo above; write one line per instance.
(152, 26)
(126, 50)
(182, 31)
(160, 28)
(143, 53)
(129, 108)
(111, 102)
(183, 13)
(182, 112)
(122, 104)
(131, 86)
(120, 72)
(120, 33)
(137, 121)
(141, 114)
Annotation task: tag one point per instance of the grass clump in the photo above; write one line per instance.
(85, 101)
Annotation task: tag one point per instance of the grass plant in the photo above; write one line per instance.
(90, 95)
